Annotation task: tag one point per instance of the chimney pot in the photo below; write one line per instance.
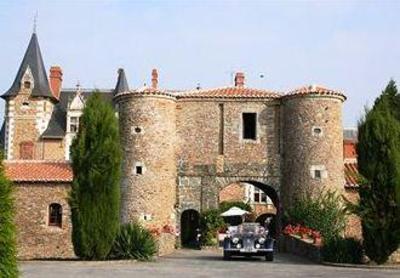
(154, 79)
(239, 79)
(56, 80)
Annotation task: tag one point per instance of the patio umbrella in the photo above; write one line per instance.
(234, 211)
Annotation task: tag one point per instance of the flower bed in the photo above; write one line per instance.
(305, 233)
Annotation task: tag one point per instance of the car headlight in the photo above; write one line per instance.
(261, 240)
(238, 246)
(258, 245)
(235, 240)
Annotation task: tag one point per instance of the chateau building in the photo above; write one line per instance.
(181, 149)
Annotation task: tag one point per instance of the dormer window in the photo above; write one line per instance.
(74, 124)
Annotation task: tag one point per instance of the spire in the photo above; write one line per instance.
(32, 63)
(122, 83)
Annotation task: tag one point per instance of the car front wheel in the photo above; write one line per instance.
(269, 257)
(227, 255)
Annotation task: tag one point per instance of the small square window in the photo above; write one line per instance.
(249, 121)
(139, 170)
(317, 174)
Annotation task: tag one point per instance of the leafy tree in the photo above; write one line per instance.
(378, 151)
(95, 195)
(8, 261)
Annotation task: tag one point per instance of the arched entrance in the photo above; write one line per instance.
(263, 199)
(190, 222)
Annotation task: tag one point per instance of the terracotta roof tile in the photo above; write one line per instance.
(314, 89)
(230, 92)
(38, 171)
(351, 175)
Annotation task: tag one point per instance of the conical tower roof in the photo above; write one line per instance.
(122, 83)
(33, 60)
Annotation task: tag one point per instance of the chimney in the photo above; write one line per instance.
(56, 80)
(154, 79)
(239, 79)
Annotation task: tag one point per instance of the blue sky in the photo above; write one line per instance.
(353, 46)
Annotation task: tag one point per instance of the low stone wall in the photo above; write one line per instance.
(166, 244)
(296, 246)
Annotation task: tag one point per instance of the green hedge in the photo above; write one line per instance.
(342, 250)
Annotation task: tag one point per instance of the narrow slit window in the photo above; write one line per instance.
(317, 174)
(249, 126)
(139, 170)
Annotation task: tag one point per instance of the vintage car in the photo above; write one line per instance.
(248, 239)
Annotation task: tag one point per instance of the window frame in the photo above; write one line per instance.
(74, 122)
(55, 215)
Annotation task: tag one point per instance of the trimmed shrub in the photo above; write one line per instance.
(342, 250)
(95, 194)
(133, 242)
(324, 212)
(8, 260)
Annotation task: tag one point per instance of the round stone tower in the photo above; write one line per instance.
(148, 186)
(312, 142)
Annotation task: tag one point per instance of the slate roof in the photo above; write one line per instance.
(122, 83)
(38, 171)
(33, 60)
(58, 120)
(3, 135)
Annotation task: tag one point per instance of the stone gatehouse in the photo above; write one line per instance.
(180, 148)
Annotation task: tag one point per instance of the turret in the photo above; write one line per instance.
(29, 104)
(147, 119)
(312, 142)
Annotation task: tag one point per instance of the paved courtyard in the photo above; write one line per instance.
(192, 263)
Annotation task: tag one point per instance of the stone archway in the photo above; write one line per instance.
(263, 183)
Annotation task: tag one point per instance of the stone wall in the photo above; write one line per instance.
(312, 140)
(35, 238)
(26, 118)
(147, 126)
(199, 131)
(232, 193)
(353, 226)
(53, 149)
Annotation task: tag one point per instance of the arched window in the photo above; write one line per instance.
(26, 150)
(55, 215)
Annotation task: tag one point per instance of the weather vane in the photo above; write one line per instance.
(35, 22)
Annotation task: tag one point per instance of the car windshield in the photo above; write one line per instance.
(249, 228)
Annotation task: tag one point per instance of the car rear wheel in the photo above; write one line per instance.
(227, 255)
(269, 257)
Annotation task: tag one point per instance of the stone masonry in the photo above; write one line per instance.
(180, 148)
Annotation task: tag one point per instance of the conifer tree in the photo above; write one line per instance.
(8, 261)
(95, 194)
(378, 151)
